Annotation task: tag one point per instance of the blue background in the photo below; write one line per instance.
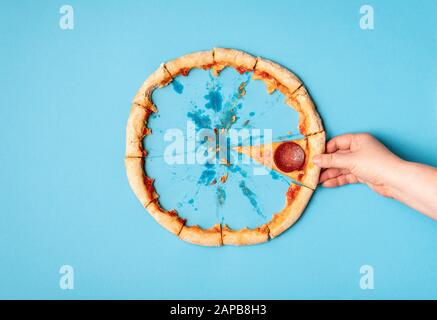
(64, 103)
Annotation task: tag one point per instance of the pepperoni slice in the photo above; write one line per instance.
(289, 156)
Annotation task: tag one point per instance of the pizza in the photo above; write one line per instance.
(289, 158)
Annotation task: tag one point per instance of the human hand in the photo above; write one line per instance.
(353, 158)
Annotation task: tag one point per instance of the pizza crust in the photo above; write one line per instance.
(240, 60)
(296, 202)
(141, 184)
(158, 79)
(183, 65)
(309, 119)
(276, 76)
(136, 130)
(316, 145)
(211, 237)
(245, 236)
(167, 219)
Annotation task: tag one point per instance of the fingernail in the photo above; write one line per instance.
(317, 159)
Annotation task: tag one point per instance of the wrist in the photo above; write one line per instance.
(395, 178)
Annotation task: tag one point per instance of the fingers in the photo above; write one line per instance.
(333, 160)
(340, 181)
(332, 173)
(342, 142)
(336, 156)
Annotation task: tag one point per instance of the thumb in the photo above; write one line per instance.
(333, 160)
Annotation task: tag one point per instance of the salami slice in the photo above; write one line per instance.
(289, 156)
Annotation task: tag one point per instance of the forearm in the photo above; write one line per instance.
(415, 185)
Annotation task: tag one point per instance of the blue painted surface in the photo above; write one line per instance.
(198, 190)
(65, 101)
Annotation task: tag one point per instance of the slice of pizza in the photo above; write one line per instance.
(158, 79)
(211, 237)
(309, 119)
(245, 236)
(276, 77)
(297, 198)
(291, 158)
(239, 60)
(183, 65)
(170, 220)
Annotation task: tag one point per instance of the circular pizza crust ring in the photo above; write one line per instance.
(239, 60)
(211, 237)
(136, 130)
(140, 183)
(158, 79)
(276, 77)
(183, 65)
(309, 119)
(296, 202)
(170, 220)
(245, 236)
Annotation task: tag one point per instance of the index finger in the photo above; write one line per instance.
(341, 142)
